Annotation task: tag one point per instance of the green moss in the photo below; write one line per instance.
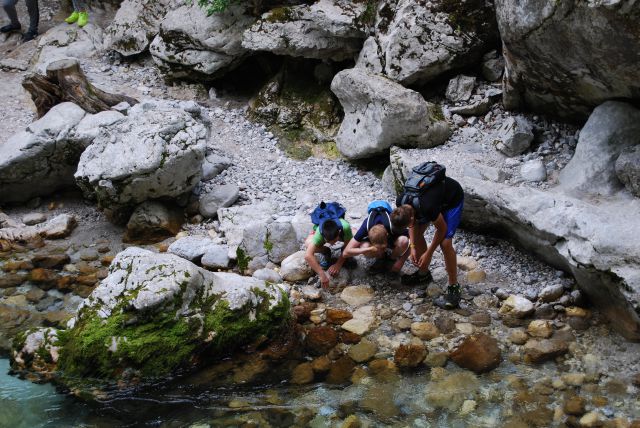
(368, 17)
(436, 113)
(330, 150)
(243, 259)
(268, 245)
(280, 14)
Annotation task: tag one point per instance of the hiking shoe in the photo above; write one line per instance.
(29, 35)
(451, 299)
(71, 19)
(9, 28)
(416, 278)
(83, 19)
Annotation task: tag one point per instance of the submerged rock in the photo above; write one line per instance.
(155, 313)
(478, 352)
(153, 222)
(450, 392)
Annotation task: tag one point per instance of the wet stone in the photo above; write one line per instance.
(436, 359)
(480, 319)
(538, 351)
(363, 351)
(445, 324)
(89, 255)
(10, 280)
(518, 337)
(478, 352)
(540, 328)
(43, 277)
(56, 318)
(16, 265)
(303, 311)
(383, 370)
(338, 316)
(35, 295)
(302, 374)
(321, 365)
(349, 338)
(410, 356)
(34, 218)
(357, 295)
(546, 312)
(50, 261)
(321, 339)
(574, 406)
(425, 330)
(403, 324)
(341, 370)
(578, 323)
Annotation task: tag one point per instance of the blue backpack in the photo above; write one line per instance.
(328, 211)
(378, 207)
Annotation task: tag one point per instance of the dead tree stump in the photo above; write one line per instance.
(65, 81)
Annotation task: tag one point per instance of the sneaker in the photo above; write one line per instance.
(416, 278)
(29, 35)
(451, 300)
(71, 19)
(9, 28)
(83, 19)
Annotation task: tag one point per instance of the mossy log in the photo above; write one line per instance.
(65, 81)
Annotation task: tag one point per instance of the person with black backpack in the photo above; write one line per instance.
(329, 227)
(383, 229)
(434, 198)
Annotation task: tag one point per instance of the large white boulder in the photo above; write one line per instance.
(155, 313)
(598, 242)
(42, 158)
(135, 25)
(380, 113)
(611, 128)
(565, 57)
(192, 44)
(326, 29)
(157, 152)
(414, 42)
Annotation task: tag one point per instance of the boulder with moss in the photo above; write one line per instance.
(192, 45)
(380, 113)
(414, 42)
(158, 313)
(299, 107)
(326, 29)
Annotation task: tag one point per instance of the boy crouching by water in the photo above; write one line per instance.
(329, 232)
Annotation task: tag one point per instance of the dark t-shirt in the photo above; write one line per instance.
(378, 218)
(438, 199)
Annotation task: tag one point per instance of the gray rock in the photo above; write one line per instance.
(192, 44)
(514, 136)
(58, 227)
(628, 169)
(460, 88)
(152, 222)
(213, 165)
(235, 220)
(216, 257)
(268, 275)
(135, 25)
(42, 158)
(219, 197)
(64, 41)
(92, 124)
(415, 42)
(477, 108)
(281, 240)
(34, 218)
(611, 128)
(551, 293)
(156, 152)
(598, 243)
(380, 113)
(492, 66)
(546, 41)
(192, 248)
(533, 170)
(295, 268)
(326, 29)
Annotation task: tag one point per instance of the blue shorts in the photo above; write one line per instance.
(452, 217)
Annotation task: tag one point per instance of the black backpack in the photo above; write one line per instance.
(424, 176)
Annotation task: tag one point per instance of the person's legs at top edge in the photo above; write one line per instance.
(34, 20)
(9, 7)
